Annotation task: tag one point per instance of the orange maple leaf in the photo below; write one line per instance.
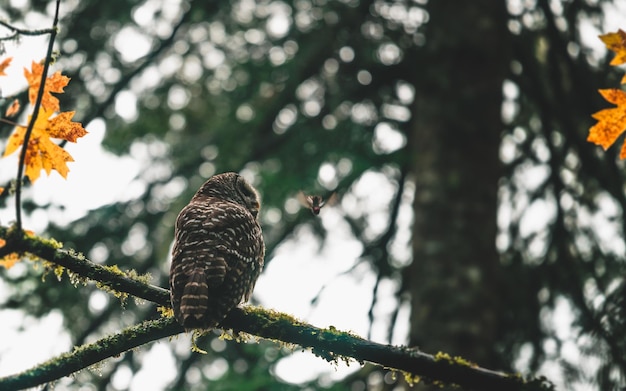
(611, 122)
(62, 127)
(4, 65)
(41, 152)
(9, 260)
(54, 83)
(13, 109)
(617, 43)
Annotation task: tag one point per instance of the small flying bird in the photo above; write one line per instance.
(315, 202)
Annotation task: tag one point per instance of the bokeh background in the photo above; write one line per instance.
(472, 218)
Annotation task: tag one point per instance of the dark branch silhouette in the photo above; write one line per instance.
(330, 344)
(33, 119)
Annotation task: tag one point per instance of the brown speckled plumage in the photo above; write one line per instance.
(218, 251)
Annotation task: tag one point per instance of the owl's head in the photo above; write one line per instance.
(232, 187)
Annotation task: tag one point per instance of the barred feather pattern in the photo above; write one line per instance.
(218, 252)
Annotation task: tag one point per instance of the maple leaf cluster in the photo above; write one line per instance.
(42, 153)
(612, 122)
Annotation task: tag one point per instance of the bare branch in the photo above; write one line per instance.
(17, 31)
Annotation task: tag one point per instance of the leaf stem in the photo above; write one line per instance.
(31, 124)
(9, 122)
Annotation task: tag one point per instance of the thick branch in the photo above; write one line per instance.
(330, 344)
(334, 345)
(87, 355)
(77, 263)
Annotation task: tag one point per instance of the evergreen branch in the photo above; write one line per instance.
(330, 344)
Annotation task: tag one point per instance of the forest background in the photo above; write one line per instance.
(473, 217)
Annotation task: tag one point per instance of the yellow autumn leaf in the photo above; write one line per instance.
(10, 259)
(13, 109)
(62, 127)
(42, 152)
(611, 122)
(4, 65)
(617, 43)
(54, 83)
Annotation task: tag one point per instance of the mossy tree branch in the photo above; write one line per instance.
(111, 277)
(87, 355)
(330, 344)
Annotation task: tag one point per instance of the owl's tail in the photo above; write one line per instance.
(194, 301)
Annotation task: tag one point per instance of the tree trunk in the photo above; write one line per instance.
(454, 277)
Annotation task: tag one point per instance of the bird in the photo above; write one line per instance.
(218, 251)
(316, 202)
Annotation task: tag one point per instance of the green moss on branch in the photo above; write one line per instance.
(330, 343)
(84, 356)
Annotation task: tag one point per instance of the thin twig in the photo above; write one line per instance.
(31, 124)
(18, 31)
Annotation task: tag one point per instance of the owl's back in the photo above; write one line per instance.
(217, 258)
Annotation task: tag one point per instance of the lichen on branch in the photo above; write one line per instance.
(330, 343)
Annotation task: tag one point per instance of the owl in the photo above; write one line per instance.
(218, 251)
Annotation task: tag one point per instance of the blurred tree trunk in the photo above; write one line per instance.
(456, 130)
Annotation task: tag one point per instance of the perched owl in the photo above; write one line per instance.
(218, 251)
